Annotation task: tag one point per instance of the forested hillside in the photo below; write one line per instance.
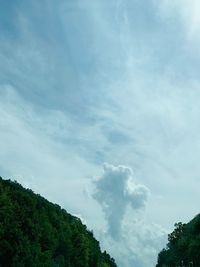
(35, 232)
(183, 248)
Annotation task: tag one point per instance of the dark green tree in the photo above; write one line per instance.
(37, 233)
(183, 248)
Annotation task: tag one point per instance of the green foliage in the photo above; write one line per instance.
(37, 233)
(183, 248)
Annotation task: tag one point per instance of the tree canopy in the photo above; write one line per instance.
(183, 248)
(37, 233)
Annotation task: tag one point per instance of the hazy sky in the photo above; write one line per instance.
(100, 113)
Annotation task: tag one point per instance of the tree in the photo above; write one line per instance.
(37, 233)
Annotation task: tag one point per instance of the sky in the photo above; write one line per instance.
(99, 112)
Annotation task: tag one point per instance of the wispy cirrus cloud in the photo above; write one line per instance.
(187, 13)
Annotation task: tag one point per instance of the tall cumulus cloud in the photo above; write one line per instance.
(115, 191)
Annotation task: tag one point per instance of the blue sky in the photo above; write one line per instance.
(99, 100)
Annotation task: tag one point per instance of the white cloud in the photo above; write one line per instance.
(32, 151)
(115, 190)
(138, 244)
(188, 12)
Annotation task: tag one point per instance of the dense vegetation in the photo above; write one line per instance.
(183, 248)
(37, 233)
